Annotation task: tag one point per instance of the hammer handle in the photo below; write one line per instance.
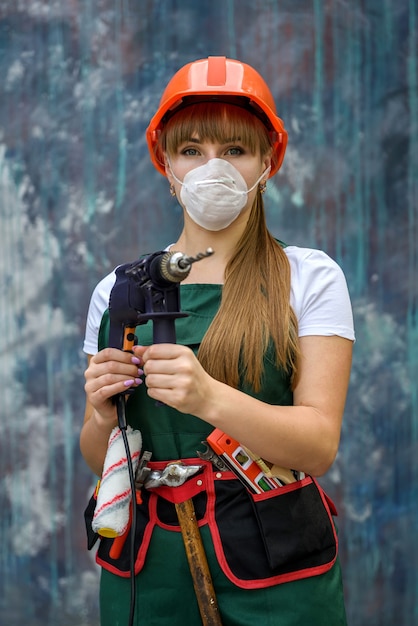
(198, 564)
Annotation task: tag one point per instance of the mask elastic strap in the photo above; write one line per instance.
(173, 174)
(266, 171)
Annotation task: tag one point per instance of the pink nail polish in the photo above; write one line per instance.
(128, 383)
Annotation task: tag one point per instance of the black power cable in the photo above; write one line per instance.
(120, 406)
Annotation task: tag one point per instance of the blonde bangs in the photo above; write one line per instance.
(217, 122)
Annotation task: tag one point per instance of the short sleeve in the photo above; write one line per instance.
(99, 302)
(319, 294)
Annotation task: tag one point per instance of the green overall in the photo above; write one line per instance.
(165, 594)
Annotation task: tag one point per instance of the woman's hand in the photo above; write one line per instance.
(110, 372)
(174, 376)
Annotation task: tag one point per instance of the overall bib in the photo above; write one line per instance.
(273, 560)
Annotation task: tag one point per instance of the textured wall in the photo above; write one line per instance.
(80, 80)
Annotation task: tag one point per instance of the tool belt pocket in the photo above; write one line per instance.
(281, 535)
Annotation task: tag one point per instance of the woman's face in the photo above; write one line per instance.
(205, 131)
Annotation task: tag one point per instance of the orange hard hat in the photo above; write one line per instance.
(219, 79)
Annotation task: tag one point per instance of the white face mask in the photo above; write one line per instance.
(215, 193)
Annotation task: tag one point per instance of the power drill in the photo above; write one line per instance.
(148, 289)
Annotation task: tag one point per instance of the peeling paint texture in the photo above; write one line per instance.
(78, 195)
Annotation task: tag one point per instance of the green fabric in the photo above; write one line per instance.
(165, 594)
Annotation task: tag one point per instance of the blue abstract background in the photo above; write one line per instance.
(80, 80)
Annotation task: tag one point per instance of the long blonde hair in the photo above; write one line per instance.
(255, 307)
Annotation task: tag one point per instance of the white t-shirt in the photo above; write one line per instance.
(318, 295)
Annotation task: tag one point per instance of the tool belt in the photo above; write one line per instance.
(260, 540)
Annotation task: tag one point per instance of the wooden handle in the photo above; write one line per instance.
(198, 564)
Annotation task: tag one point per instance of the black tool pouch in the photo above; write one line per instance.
(296, 527)
(274, 537)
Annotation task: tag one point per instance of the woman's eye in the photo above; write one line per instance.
(234, 151)
(190, 151)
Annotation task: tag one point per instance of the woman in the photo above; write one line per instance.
(264, 355)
